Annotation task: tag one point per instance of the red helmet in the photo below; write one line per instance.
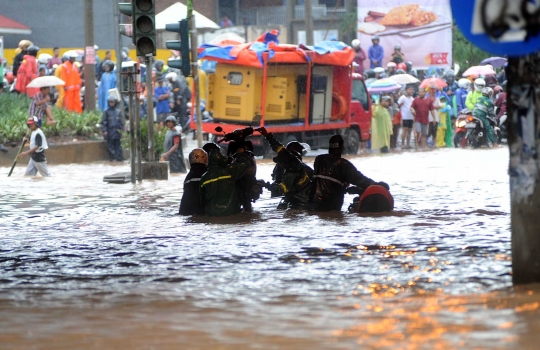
(497, 89)
(402, 66)
(10, 77)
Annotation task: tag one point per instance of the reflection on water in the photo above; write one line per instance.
(85, 264)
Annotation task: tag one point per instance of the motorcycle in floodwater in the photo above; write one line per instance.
(476, 134)
(503, 134)
(461, 131)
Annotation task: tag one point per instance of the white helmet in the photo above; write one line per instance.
(171, 75)
(44, 58)
(355, 44)
(464, 83)
(391, 64)
(378, 70)
(479, 84)
(487, 91)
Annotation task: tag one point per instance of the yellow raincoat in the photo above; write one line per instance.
(381, 128)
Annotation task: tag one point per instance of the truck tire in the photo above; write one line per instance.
(352, 141)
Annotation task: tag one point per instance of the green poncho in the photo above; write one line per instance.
(381, 128)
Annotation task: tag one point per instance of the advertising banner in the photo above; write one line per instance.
(423, 29)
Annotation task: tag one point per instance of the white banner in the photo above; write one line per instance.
(423, 29)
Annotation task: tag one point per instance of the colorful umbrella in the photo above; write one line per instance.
(479, 70)
(383, 85)
(404, 79)
(495, 62)
(433, 83)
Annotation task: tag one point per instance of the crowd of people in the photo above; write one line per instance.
(426, 115)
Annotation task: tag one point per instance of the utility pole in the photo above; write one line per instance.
(290, 18)
(523, 75)
(308, 13)
(118, 50)
(90, 64)
(195, 70)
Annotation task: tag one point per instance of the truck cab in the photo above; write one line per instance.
(360, 107)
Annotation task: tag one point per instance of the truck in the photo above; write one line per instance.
(304, 94)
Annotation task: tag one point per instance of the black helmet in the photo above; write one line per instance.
(408, 64)
(296, 148)
(210, 146)
(335, 144)
(369, 73)
(33, 50)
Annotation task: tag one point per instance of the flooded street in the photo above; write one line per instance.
(90, 265)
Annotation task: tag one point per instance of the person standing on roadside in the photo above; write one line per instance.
(162, 94)
(38, 145)
(359, 56)
(405, 102)
(112, 126)
(55, 59)
(421, 109)
(70, 75)
(381, 125)
(375, 52)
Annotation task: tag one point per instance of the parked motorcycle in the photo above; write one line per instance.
(476, 134)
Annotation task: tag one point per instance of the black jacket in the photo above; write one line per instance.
(333, 175)
(191, 201)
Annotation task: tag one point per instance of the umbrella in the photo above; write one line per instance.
(78, 54)
(49, 80)
(433, 83)
(383, 85)
(404, 79)
(479, 70)
(495, 62)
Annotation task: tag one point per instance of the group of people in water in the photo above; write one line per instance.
(219, 185)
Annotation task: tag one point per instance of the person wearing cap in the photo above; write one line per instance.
(112, 126)
(381, 125)
(28, 71)
(294, 183)
(375, 53)
(70, 75)
(379, 73)
(38, 145)
(173, 147)
(218, 191)
(108, 81)
(40, 107)
(359, 56)
(397, 56)
(191, 204)
(332, 176)
(162, 94)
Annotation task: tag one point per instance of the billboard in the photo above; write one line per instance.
(423, 28)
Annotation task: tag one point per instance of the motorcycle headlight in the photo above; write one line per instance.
(461, 124)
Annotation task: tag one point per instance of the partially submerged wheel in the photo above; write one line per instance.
(352, 141)
(458, 139)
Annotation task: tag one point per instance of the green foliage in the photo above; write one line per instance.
(348, 25)
(159, 140)
(14, 114)
(466, 54)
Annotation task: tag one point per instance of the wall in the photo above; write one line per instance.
(53, 23)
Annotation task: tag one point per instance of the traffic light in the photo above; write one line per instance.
(181, 45)
(143, 28)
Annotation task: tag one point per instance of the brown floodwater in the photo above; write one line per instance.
(90, 265)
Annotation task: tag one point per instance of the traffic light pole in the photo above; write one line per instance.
(150, 107)
(132, 142)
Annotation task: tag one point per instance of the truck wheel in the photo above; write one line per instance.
(352, 141)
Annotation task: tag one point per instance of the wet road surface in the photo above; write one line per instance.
(88, 265)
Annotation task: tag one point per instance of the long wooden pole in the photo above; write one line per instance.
(89, 67)
(195, 70)
(18, 153)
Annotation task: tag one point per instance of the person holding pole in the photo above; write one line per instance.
(38, 145)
